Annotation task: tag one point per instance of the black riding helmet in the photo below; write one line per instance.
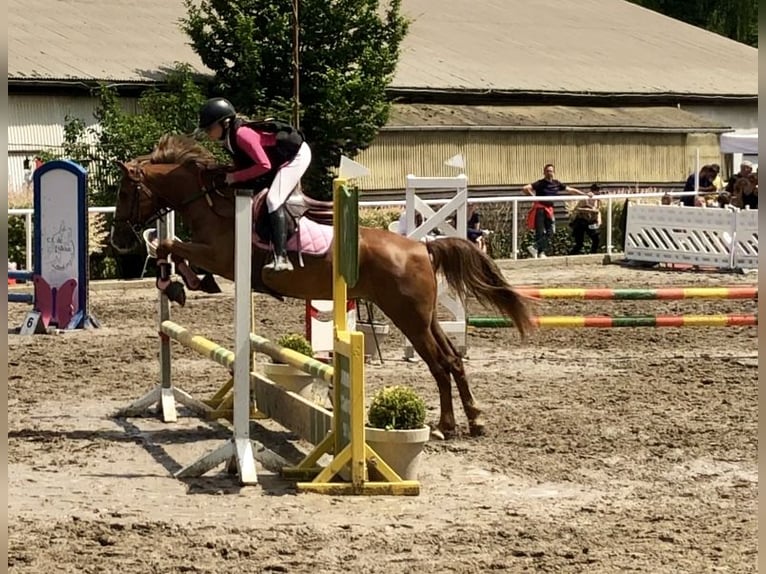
(215, 110)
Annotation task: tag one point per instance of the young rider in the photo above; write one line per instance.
(265, 154)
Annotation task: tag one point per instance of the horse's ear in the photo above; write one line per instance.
(123, 168)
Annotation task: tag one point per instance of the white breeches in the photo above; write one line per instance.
(287, 178)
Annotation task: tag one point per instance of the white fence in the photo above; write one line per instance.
(513, 200)
(457, 206)
(723, 238)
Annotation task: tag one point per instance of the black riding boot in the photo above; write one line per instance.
(278, 221)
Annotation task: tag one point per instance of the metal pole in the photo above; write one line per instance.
(515, 230)
(609, 228)
(296, 66)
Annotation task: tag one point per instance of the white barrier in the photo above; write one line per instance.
(320, 329)
(712, 237)
(745, 250)
(433, 219)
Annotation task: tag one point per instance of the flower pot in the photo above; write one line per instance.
(401, 449)
(371, 331)
(290, 379)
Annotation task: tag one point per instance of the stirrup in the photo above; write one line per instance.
(276, 265)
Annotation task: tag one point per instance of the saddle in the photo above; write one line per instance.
(310, 222)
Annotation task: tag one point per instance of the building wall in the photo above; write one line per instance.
(493, 158)
(36, 123)
(739, 117)
(513, 158)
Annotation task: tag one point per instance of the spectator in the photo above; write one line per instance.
(746, 192)
(474, 232)
(586, 219)
(745, 169)
(743, 187)
(717, 181)
(401, 227)
(541, 218)
(705, 185)
(724, 199)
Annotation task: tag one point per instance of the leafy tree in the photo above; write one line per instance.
(735, 19)
(348, 55)
(122, 135)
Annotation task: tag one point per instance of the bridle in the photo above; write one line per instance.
(140, 187)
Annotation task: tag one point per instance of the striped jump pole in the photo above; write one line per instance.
(672, 293)
(609, 322)
(293, 358)
(309, 421)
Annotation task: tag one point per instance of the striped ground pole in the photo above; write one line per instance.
(609, 322)
(642, 294)
(225, 357)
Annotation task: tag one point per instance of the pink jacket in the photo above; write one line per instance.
(252, 143)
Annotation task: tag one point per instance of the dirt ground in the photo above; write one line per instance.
(619, 450)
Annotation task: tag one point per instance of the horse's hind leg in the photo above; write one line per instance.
(429, 350)
(455, 363)
(413, 321)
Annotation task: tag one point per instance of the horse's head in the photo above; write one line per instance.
(168, 179)
(136, 204)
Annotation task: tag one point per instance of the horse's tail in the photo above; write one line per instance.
(469, 270)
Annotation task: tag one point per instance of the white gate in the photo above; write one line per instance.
(433, 220)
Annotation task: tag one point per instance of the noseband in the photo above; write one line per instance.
(139, 187)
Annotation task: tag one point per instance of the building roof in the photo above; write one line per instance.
(545, 46)
(88, 40)
(570, 118)
(587, 46)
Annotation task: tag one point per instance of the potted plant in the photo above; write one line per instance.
(286, 376)
(396, 429)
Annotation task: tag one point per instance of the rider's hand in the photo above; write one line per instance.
(229, 178)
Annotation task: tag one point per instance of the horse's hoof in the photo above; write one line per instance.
(442, 433)
(476, 428)
(176, 293)
(209, 285)
(436, 434)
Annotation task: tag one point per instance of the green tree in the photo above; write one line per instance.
(735, 19)
(124, 135)
(348, 55)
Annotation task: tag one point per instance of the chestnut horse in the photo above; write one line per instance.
(396, 273)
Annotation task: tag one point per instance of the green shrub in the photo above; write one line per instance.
(17, 241)
(397, 408)
(297, 343)
(378, 217)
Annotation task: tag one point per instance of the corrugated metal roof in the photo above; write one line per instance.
(588, 46)
(571, 46)
(124, 41)
(550, 117)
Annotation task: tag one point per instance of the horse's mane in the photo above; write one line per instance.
(180, 149)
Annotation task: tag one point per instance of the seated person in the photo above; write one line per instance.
(474, 233)
(401, 228)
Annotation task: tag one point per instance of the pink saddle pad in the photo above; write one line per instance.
(315, 239)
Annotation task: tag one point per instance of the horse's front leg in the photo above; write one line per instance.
(200, 254)
(207, 284)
